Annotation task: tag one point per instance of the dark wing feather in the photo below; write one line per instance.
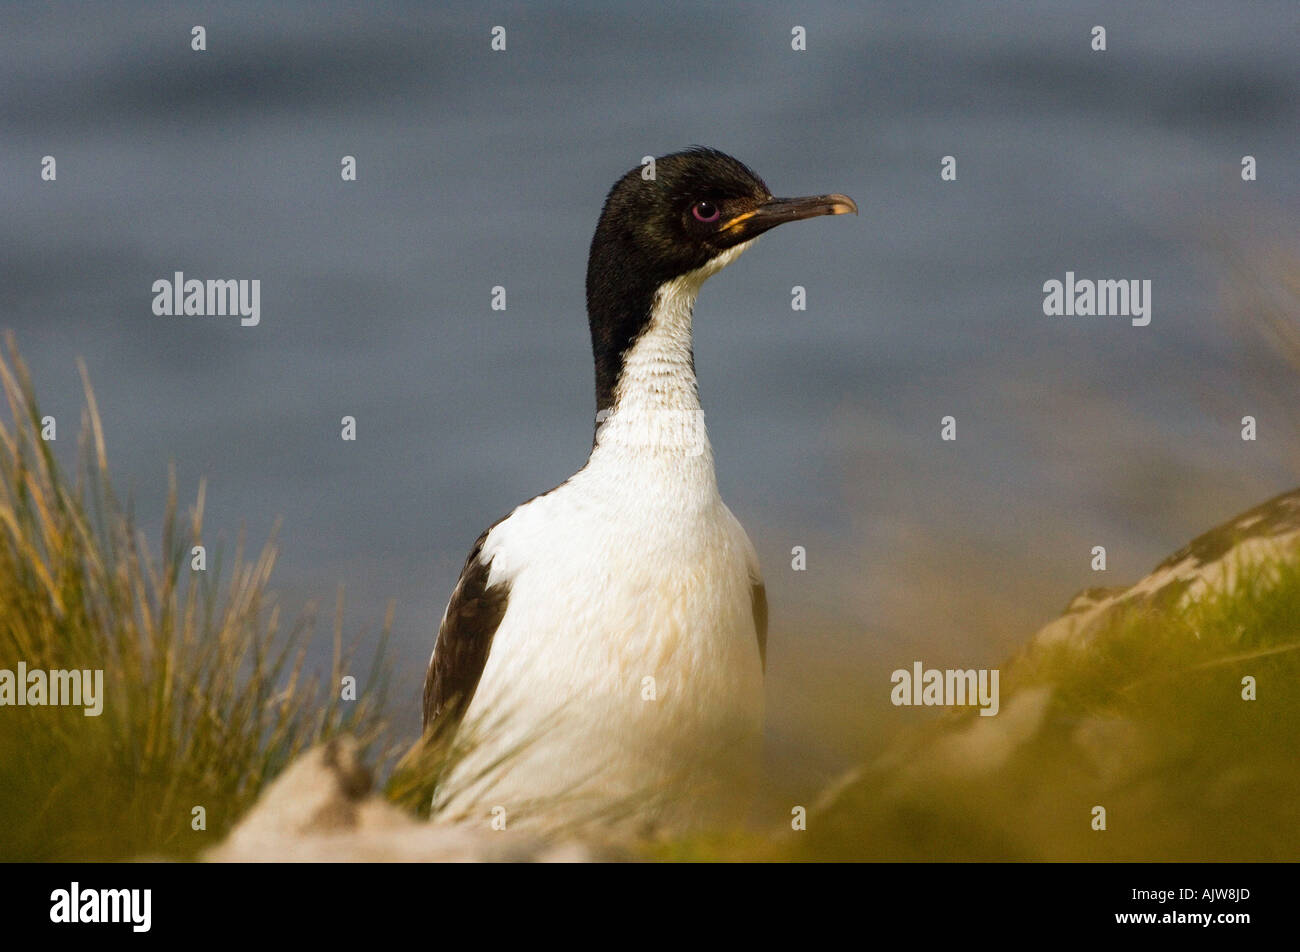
(473, 616)
(758, 598)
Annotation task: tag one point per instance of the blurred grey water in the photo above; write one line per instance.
(479, 169)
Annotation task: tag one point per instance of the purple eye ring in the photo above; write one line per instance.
(706, 212)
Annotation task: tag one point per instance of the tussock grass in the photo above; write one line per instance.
(205, 693)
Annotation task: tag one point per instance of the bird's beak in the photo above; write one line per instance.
(778, 211)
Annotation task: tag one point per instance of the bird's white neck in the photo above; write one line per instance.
(656, 411)
(656, 416)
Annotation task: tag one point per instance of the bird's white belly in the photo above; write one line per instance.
(626, 671)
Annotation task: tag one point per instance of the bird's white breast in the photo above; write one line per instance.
(627, 662)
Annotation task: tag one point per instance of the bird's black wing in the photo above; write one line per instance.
(472, 618)
(758, 599)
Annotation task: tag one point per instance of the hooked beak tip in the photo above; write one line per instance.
(842, 205)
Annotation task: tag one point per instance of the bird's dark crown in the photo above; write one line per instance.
(674, 222)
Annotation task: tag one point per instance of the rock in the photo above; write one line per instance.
(323, 808)
(1212, 559)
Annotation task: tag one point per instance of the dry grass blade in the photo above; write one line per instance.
(200, 703)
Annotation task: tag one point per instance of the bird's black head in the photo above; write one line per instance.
(679, 218)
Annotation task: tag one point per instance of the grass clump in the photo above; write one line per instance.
(205, 697)
(1146, 717)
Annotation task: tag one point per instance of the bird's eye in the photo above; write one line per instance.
(705, 211)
